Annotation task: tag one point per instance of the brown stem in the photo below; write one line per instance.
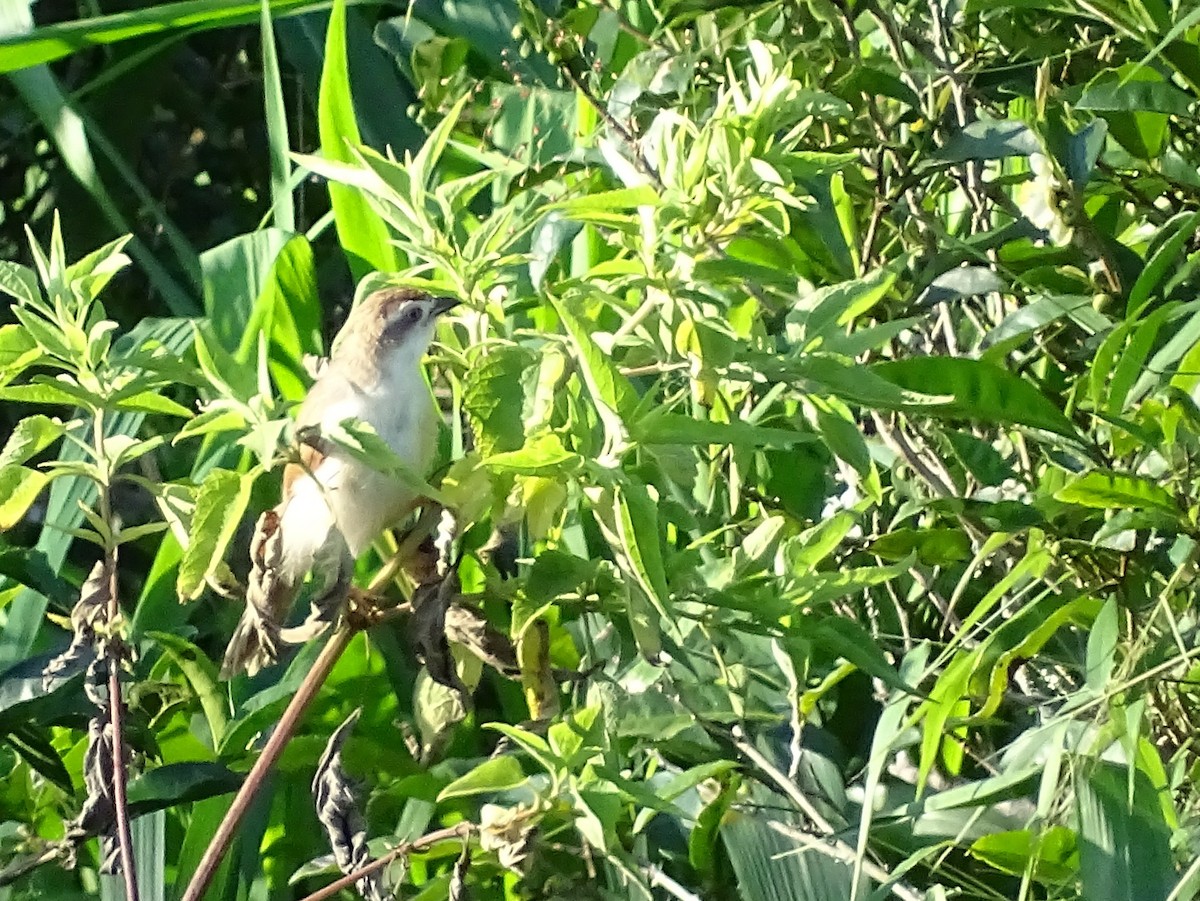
(459, 831)
(207, 868)
(115, 649)
(116, 713)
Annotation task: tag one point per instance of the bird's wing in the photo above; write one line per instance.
(311, 457)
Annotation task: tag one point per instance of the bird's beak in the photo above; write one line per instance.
(444, 305)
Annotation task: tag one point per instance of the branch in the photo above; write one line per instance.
(18, 868)
(207, 868)
(116, 714)
(462, 830)
(114, 649)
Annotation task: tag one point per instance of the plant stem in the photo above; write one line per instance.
(418, 844)
(115, 650)
(207, 868)
(116, 712)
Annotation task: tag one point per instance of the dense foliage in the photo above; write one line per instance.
(820, 438)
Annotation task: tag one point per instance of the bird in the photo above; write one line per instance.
(333, 505)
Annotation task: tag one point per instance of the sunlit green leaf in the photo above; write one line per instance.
(491, 776)
(220, 504)
(19, 488)
(980, 391)
(1105, 489)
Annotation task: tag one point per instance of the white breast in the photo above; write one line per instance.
(364, 501)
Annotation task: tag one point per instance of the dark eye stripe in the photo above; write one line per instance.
(399, 322)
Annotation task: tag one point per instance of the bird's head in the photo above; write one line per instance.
(389, 332)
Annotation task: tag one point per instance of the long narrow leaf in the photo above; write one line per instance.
(363, 235)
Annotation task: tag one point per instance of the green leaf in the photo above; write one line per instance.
(1020, 638)
(644, 623)
(542, 455)
(575, 735)
(847, 639)
(702, 843)
(663, 427)
(206, 817)
(363, 235)
(33, 744)
(1102, 643)
(819, 587)
(493, 399)
(554, 573)
(682, 782)
(1121, 90)
(534, 744)
(933, 547)
(18, 350)
(30, 437)
(21, 283)
(152, 402)
(607, 201)
(276, 119)
(31, 569)
(287, 311)
(989, 140)
(362, 442)
(830, 309)
(235, 275)
(636, 517)
(1137, 103)
(1124, 849)
(1054, 853)
(1104, 489)
(494, 775)
(201, 674)
(1142, 336)
(148, 835)
(220, 504)
(45, 392)
(811, 546)
(980, 391)
(770, 866)
(51, 42)
(19, 488)
(824, 374)
(1167, 255)
(178, 783)
(611, 392)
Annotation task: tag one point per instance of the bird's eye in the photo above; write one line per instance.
(412, 315)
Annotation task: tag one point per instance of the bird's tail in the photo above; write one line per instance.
(269, 596)
(254, 645)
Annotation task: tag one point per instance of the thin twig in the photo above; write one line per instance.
(623, 131)
(462, 830)
(895, 439)
(207, 868)
(19, 868)
(661, 880)
(834, 847)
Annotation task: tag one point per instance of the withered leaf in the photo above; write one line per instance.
(337, 809)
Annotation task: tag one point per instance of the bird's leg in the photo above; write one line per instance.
(336, 564)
